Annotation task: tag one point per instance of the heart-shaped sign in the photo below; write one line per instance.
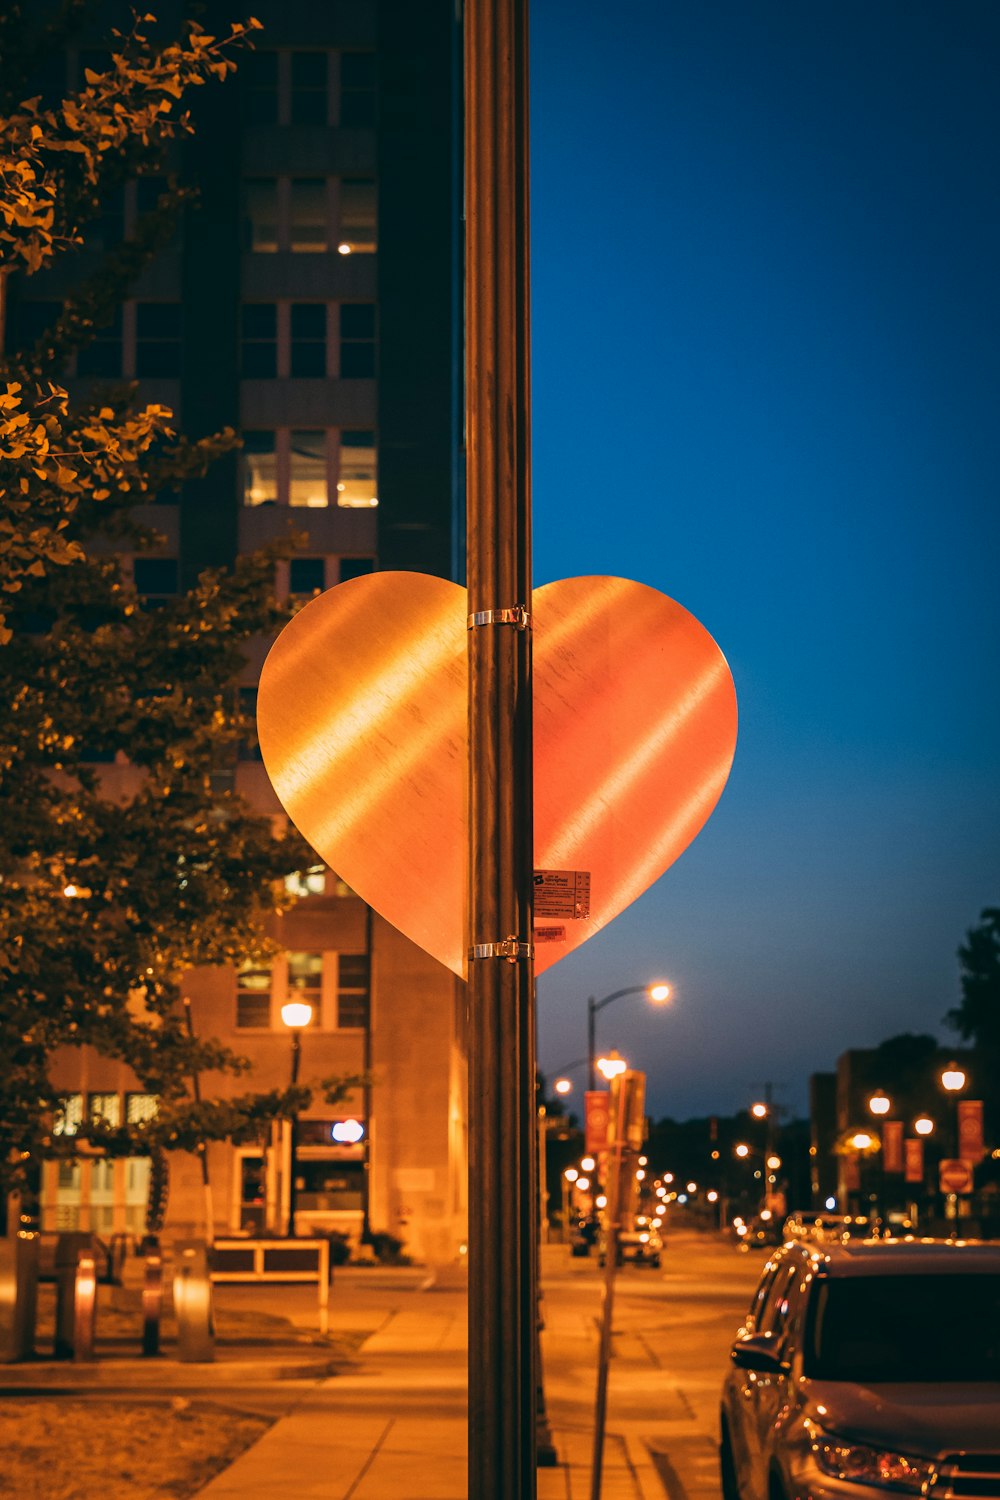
(362, 720)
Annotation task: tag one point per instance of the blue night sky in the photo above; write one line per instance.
(766, 343)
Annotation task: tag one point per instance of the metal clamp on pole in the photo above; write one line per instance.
(519, 617)
(511, 949)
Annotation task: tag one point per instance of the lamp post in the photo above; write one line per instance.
(296, 1015)
(879, 1105)
(953, 1081)
(659, 993)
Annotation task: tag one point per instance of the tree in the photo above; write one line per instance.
(126, 856)
(977, 1017)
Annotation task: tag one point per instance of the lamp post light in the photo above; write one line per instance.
(923, 1125)
(879, 1105)
(612, 1065)
(658, 993)
(296, 1015)
(563, 1086)
(953, 1081)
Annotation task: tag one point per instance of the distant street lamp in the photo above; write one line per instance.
(612, 1065)
(924, 1125)
(953, 1081)
(296, 1015)
(879, 1104)
(563, 1086)
(759, 1111)
(659, 993)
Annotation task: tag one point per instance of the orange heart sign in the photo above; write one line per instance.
(362, 721)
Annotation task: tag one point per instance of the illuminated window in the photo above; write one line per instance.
(307, 215)
(260, 199)
(141, 1107)
(308, 882)
(357, 340)
(352, 991)
(357, 216)
(307, 481)
(357, 88)
(68, 1115)
(259, 465)
(357, 484)
(253, 998)
(305, 981)
(309, 88)
(106, 1109)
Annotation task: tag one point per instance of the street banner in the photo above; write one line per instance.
(971, 1145)
(892, 1146)
(914, 1148)
(597, 1119)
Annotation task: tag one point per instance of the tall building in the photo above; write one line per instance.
(313, 301)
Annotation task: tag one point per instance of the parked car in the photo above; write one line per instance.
(864, 1367)
(826, 1226)
(640, 1243)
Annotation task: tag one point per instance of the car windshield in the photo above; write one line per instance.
(867, 1329)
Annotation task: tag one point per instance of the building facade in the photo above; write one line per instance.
(313, 301)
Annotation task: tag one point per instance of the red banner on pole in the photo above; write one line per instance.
(971, 1145)
(914, 1147)
(892, 1146)
(852, 1174)
(597, 1119)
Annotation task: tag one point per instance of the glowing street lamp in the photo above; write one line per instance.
(563, 1086)
(924, 1125)
(742, 1150)
(879, 1103)
(953, 1081)
(296, 1015)
(759, 1111)
(658, 992)
(612, 1065)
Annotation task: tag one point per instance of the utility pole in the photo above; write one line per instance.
(502, 1191)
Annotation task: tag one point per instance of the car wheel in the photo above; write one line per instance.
(727, 1466)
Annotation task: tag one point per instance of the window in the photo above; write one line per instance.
(307, 466)
(30, 321)
(148, 191)
(355, 567)
(105, 1109)
(309, 88)
(249, 749)
(102, 357)
(260, 214)
(309, 882)
(357, 216)
(260, 340)
(258, 78)
(307, 214)
(155, 578)
(308, 340)
(141, 1107)
(357, 340)
(259, 466)
(357, 88)
(307, 478)
(158, 339)
(307, 575)
(357, 484)
(329, 1185)
(352, 991)
(253, 998)
(107, 228)
(305, 982)
(69, 1115)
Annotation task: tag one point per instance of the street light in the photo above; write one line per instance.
(612, 1065)
(924, 1125)
(563, 1086)
(953, 1081)
(759, 1111)
(296, 1014)
(879, 1104)
(658, 992)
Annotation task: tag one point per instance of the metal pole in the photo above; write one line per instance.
(502, 1273)
(366, 1092)
(293, 1122)
(591, 1044)
(610, 1267)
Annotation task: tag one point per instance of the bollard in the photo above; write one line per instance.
(193, 1303)
(18, 1297)
(68, 1248)
(152, 1303)
(84, 1306)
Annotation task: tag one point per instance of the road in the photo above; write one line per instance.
(673, 1331)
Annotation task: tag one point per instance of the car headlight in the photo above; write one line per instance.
(861, 1464)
